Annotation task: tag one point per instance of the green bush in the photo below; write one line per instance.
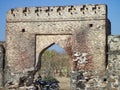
(49, 79)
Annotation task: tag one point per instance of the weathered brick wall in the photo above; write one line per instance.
(89, 40)
(110, 78)
(86, 24)
(98, 67)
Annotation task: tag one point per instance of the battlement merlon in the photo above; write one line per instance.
(53, 13)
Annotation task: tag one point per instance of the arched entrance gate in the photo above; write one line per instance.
(80, 30)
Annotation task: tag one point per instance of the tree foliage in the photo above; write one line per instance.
(55, 64)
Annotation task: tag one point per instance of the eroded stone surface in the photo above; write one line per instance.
(113, 68)
(2, 61)
(75, 28)
(89, 80)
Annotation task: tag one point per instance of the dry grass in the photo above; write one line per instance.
(64, 83)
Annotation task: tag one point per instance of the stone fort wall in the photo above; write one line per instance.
(82, 28)
(2, 62)
(111, 77)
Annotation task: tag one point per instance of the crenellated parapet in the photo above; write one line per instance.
(80, 12)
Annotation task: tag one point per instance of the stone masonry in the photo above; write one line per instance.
(113, 67)
(83, 31)
(2, 61)
(75, 28)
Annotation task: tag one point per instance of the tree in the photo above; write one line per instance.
(54, 62)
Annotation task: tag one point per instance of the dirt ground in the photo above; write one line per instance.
(64, 83)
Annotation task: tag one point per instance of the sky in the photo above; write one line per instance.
(113, 10)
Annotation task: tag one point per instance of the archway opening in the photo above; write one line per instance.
(55, 63)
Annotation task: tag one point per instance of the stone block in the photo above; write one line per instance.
(114, 44)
